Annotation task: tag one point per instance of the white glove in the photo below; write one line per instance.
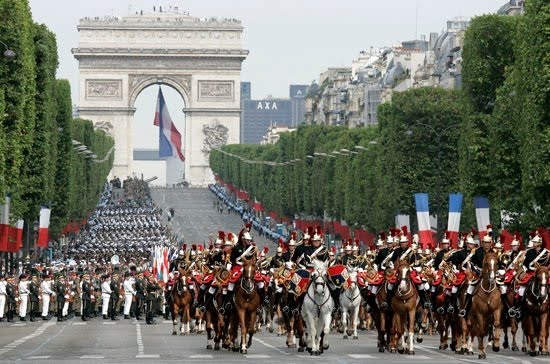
(66, 296)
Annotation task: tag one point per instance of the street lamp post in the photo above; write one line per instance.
(438, 135)
(8, 53)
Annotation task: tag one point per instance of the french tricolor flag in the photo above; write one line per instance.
(455, 210)
(169, 136)
(423, 216)
(5, 223)
(43, 234)
(481, 205)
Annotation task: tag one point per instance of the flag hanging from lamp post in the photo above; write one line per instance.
(423, 217)
(43, 233)
(455, 211)
(169, 136)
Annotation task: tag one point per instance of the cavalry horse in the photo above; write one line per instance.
(350, 301)
(181, 303)
(404, 307)
(486, 306)
(247, 302)
(317, 309)
(536, 323)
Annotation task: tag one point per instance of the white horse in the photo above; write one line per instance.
(350, 301)
(317, 309)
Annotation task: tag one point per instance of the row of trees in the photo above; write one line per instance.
(492, 138)
(38, 164)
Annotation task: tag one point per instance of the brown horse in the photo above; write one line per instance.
(535, 323)
(247, 302)
(381, 311)
(509, 321)
(486, 306)
(404, 309)
(181, 303)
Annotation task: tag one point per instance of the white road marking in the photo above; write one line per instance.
(361, 356)
(38, 357)
(18, 324)
(417, 357)
(109, 323)
(270, 346)
(92, 357)
(79, 323)
(201, 356)
(139, 340)
(39, 331)
(257, 356)
(150, 356)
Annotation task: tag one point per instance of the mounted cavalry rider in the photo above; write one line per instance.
(535, 255)
(180, 260)
(475, 262)
(287, 256)
(214, 258)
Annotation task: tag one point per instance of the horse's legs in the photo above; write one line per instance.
(544, 333)
(355, 320)
(326, 331)
(242, 324)
(513, 331)
(345, 319)
(252, 330)
(496, 328)
(481, 346)
(411, 331)
(173, 314)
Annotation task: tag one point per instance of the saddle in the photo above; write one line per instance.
(525, 277)
(415, 277)
(299, 282)
(338, 275)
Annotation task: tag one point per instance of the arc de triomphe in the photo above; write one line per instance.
(200, 58)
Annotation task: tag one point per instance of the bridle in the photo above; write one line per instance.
(489, 269)
(247, 280)
(405, 287)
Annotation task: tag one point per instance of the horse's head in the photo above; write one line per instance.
(352, 279)
(490, 266)
(248, 274)
(403, 273)
(318, 276)
(541, 279)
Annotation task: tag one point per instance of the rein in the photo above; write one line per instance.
(319, 306)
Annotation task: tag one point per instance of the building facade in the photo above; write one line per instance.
(258, 116)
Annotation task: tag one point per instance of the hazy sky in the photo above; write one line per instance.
(290, 41)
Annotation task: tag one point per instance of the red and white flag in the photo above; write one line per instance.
(169, 136)
(43, 229)
(423, 216)
(15, 237)
(5, 223)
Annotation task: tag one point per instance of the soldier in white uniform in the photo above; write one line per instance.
(46, 288)
(2, 296)
(23, 296)
(129, 293)
(105, 295)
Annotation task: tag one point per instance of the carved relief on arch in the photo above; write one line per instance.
(106, 126)
(137, 83)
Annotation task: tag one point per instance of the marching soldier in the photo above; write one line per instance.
(86, 295)
(61, 296)
(3, 284)
(152, 288)
(105, 295)
(115, 296)
(23, 296)
(11, 298)
(140, 295)
(129, 294)
(47, 293)
(34, 296)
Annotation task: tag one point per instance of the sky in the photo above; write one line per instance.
(290, 41)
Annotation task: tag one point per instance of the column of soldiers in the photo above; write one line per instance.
(72, 295)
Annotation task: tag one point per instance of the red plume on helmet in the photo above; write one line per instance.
(194, 247)
(310, 231)
(517, 236)
(405, 230)
(221, 235)
(333, 249)
(447, 235)
(230, 236)
(474, 232)
(265, 250)
(392, 232)
(294, 235)
(248, 226)
(202, 247)
(184, 247)
(382, 235)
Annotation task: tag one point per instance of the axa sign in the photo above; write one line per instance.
(267, 105)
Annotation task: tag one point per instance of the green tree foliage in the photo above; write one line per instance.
(533, 101)
(40, 160)
(488, 51)
(18, 80)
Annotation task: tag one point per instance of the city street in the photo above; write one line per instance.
(196, 217)
(130, 341)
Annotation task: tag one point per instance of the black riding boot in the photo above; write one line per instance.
(207, 297)
(193, 301)
(335, 293)
(450, 303)
(467, 303)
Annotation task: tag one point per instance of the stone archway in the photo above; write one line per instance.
(201, 59)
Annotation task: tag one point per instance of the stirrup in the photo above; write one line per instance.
(286, 309)
(462, 313)
(228, 305)
(440, 310)
(450, 309)
(384, 305)
(518, 313)
(221, 311)
(428, 305)
(512, 312)
(202, 309)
